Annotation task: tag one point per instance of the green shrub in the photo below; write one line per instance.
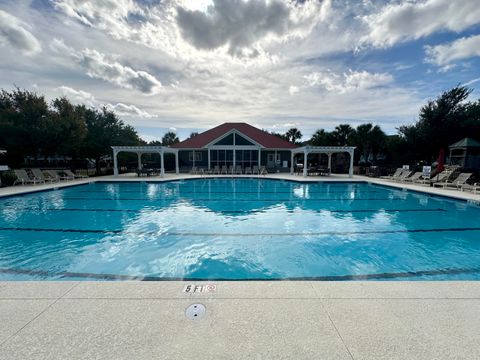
(8, 178)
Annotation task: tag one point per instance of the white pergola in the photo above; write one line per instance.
(328, 150)
(140, 150)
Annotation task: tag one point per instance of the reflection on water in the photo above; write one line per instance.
(237, 229)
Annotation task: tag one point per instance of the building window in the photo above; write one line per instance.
(198, 156)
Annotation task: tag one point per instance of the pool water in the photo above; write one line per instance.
(237, 229)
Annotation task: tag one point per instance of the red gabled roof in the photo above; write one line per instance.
(265, 139)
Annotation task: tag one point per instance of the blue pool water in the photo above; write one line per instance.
(237, 229)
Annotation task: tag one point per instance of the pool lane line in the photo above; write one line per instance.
(223, 199)
(283, 234)
(353, 277)
(237, 211)
(180, 192)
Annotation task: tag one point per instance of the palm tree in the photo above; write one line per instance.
(293, 135)
(343, 134)
(193, 134)
(170, 138)
(370, 139)
(320, 138)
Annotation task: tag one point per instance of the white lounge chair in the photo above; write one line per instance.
(263, 170)
(473, 188)
(75, 176)
(413, 178)
(23, 178)
(39, 175)
(55, 175)
(238, 170)
(458, 182)
(255, 170)
(224, 170)
(216, 170)
(248, 170)
(194, 170)
(405, 174)
(395, 175)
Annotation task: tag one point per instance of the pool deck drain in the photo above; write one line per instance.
(244, 320)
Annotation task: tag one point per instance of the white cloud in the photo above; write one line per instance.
(182, 27)
(445, 55)
(348, 82)
(78, 96)
(109, 15)
(473, 81)
(98, 65)
(13, 33)
(408, 20)
(241, 25)
(87, 99)
(128, 110)
(292, 90)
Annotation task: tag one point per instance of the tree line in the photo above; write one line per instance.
(441, 122)
(30, 126)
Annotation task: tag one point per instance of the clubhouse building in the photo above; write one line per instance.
(237, 145)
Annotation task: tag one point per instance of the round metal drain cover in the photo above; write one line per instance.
(195, 311)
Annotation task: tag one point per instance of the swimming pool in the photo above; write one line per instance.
(237, 229)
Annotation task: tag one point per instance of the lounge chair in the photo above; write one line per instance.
(248, 170)
(473, 188)
(194, 170)
(55, 175)
(238, 170)
(38, 174)
(413, 178)
(23, 178)
(231, 170)
(395, 175)
(263, 170)
(75, 176)
(216, 170)
(405, 174)
(255, 170)
(456, 183)
(325, 172)
(224, 170)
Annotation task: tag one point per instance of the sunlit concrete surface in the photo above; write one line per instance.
(243, 320)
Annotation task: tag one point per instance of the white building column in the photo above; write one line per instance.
(162, 164)
(234, 159)
(305, 163)
(115, 163)
(350, 170)
(140, 161)
(259, 157)
(193, 158)
(330, 161)
(291, 162)
(208, 157)
(177, 168)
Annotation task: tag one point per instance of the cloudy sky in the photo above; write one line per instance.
(188, 65)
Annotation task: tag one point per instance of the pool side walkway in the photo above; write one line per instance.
(243, 320)
(17, 190)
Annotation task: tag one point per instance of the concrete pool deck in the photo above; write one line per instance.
(457, 194)
(245, 319)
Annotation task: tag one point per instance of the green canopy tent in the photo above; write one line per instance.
(465, 153)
